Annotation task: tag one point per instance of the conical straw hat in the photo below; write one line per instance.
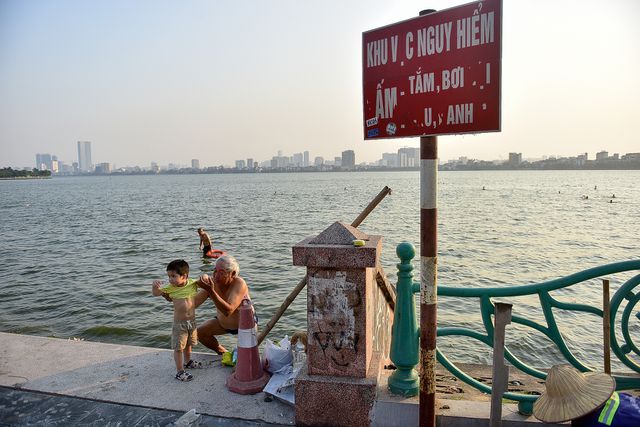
(571, 394)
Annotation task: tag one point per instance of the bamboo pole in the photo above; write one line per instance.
(302, 283)
(606, 325)
(371, 206)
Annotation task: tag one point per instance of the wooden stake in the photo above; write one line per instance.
(502, 317)
(302, 283)
(371, 206)
(606, 326)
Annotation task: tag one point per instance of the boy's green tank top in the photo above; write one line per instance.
(180, 292)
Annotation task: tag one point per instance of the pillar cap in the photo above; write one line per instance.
(339, 233)
(333, 248)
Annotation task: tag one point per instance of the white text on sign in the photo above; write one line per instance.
(472, 31)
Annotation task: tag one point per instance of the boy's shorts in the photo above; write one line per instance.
(183, 332)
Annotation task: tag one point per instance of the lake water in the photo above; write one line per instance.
(78, 254)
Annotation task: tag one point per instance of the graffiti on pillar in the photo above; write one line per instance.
(333, 303)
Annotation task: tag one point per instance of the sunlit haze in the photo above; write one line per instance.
(169, 81)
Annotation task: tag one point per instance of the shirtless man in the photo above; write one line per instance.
(205, 241)
(227, 290)
(181, 291)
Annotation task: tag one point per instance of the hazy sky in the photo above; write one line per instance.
(168, 81)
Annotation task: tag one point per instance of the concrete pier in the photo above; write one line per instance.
(128, 375)
(50, 381)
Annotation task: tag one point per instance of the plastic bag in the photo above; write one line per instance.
(278, 356)
(229, 358)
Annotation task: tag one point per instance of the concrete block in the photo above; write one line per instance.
(329, 400)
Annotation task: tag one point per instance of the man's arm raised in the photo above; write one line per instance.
(203, 294)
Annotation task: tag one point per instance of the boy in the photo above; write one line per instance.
(205, 241)
(181, 291)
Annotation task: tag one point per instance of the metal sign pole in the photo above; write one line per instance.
(428, 273)
(428, 277)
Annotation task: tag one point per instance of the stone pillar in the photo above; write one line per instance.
(343, 327)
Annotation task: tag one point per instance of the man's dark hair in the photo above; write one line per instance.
(180, 266)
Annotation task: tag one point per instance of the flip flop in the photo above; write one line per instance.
(184, 376)
(192, 364)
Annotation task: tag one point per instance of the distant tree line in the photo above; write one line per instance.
(34, 173)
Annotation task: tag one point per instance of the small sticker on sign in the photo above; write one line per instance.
(372, 122)
(373, 132)
(391, 129)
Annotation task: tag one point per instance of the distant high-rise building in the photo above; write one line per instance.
(601, 156)
(103, 168)
(515, 158)
(239, 164)
(408, 157)
(305, 161)
(348, 159)
(84, 156)
(337, 161)
(297, 159)
(389, 160)
(44, 162)
(250, 163)
(64, 168)
(195, 164)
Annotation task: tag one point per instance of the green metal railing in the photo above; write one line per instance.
(551, 330)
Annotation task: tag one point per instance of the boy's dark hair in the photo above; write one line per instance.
(180, 266)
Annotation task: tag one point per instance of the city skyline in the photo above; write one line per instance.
(403, 157)
(188, 80)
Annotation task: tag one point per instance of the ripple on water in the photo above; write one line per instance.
(103, 240)
(108, 331)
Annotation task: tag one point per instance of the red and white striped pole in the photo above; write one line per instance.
(428, 276)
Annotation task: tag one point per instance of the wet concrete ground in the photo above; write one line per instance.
(29, 408)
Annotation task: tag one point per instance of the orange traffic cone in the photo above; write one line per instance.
(249, 377)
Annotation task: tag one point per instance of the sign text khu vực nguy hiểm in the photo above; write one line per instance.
(435, 74)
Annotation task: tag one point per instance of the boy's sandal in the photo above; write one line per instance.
(192, 364)
(184, 376)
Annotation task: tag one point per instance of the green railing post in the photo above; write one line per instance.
(404, 333)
